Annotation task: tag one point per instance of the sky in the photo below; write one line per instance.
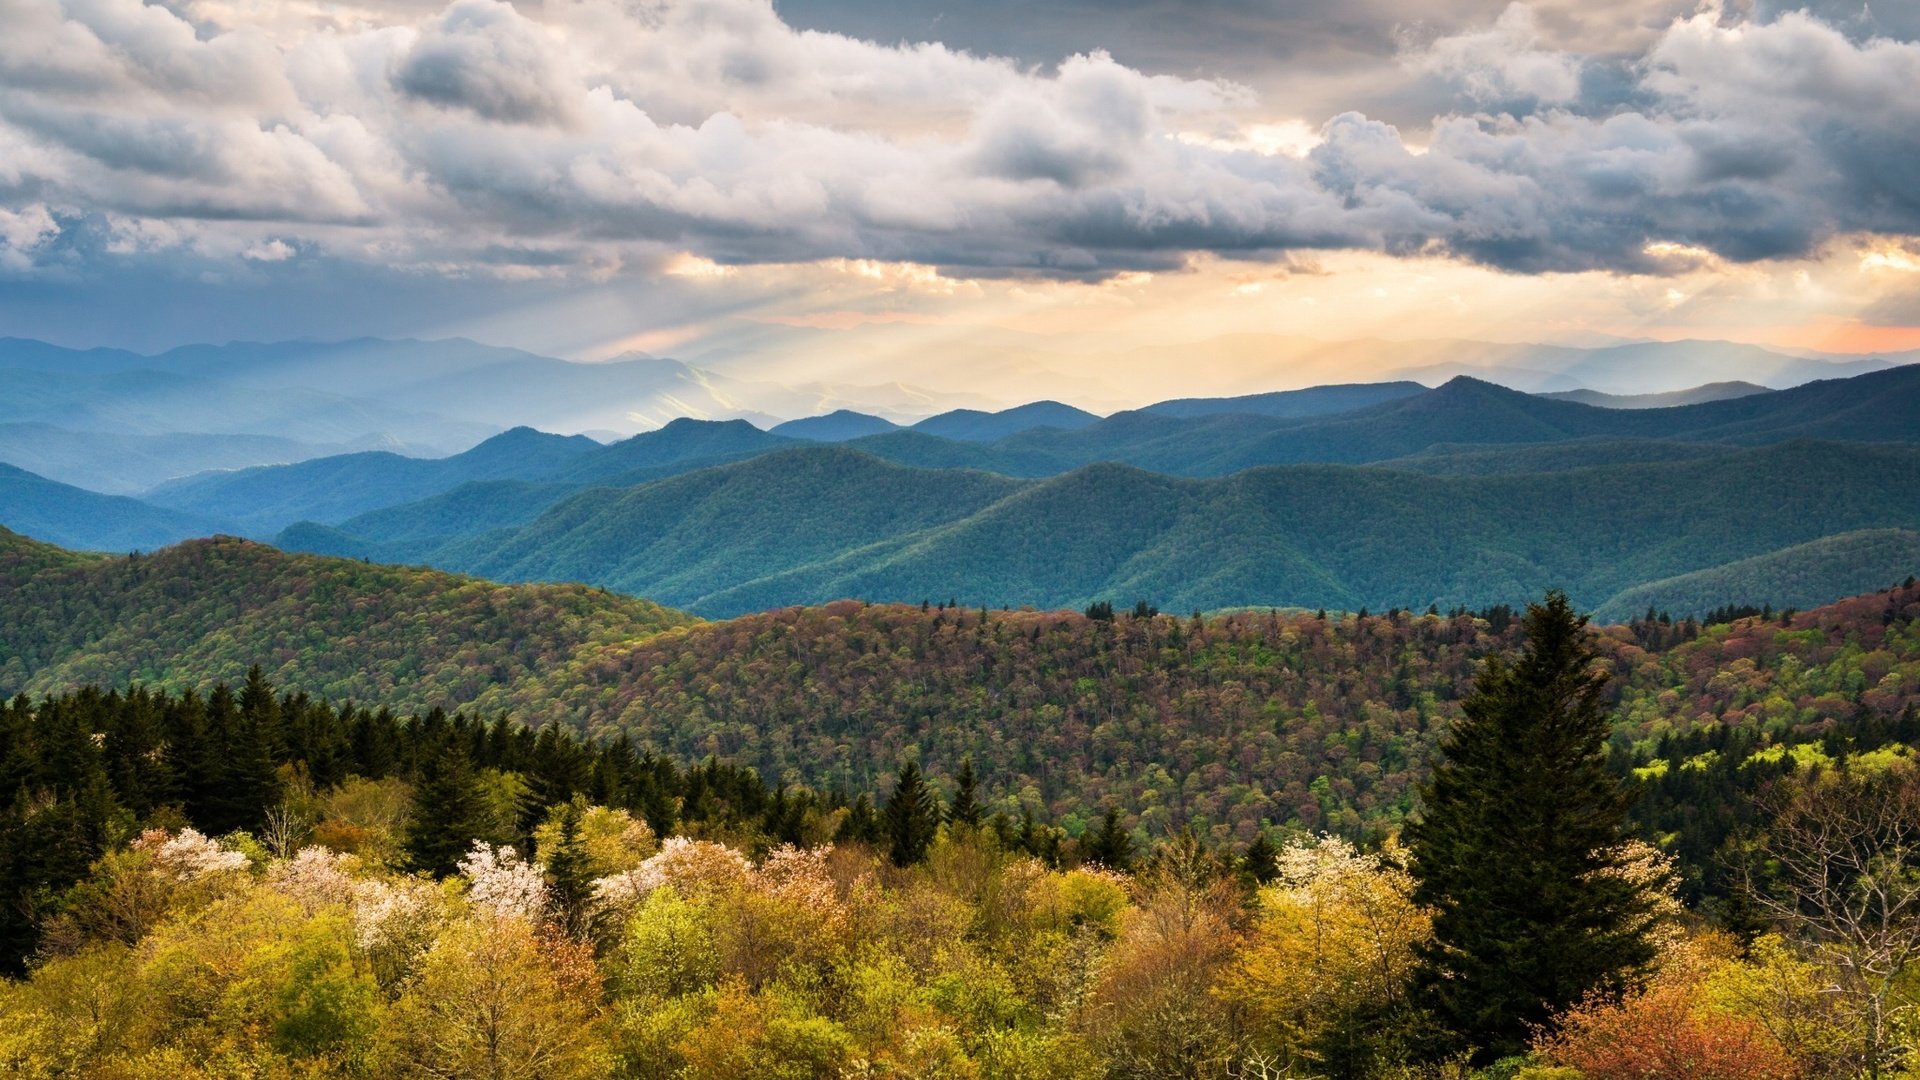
(774, 185)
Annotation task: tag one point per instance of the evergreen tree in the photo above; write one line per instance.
(861, 825)
(448, 812)
(1262, 859)
(1110, 846)
(242, 780)
(569, 873)
(1518, 844)
(965, 807)
(911, 817)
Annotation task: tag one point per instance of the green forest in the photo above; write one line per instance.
(930, 841)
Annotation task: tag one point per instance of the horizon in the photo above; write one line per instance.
(1449, 359)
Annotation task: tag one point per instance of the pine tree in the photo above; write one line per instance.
(861, 825)
(1262, 859)
(1518, 846)
(569, 872)
(965, 807)
(1110, 846)
(911, 817)
(448, 812)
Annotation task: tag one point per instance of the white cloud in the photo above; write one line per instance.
(1505, 63)
(595, 137)
(269, 251)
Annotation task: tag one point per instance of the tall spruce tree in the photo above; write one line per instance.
(965, 807)
(911, 817)
(448, 811)
(569, 870)
(1109, 845)
(1518, 848)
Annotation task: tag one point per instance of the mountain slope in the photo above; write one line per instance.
(1802, 576)
(681, 538)
(680, 441)
(207, 609)
(1720, 391)
(75, 518)
(972, 425)
(265, 499)
(1312, 401)
(121, 464)
(1449, 459)
(837, 426)
(813, 524)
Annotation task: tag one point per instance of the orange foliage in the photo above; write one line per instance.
(1663, 1034)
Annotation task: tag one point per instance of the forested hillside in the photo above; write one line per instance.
(249, 883)
(1228, 722)
(821, 523)
(1803, 576)
(206, 610)
(74, 517)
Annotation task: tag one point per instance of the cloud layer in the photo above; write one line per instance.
(595, 138)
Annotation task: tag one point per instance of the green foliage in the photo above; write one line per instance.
(1518, 846)
(964, 807)
(1109, 845)
(1802, 576)
(206, 611)
(814, 524)
(911, 817)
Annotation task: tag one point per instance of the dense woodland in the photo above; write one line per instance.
(1231, 724)
(206, 611)
(255, 882)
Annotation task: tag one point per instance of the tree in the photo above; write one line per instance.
(494, 1002)
(1325, 972)
(1109, 846)
(965, 807)
(1840, 869)
(1662, 1033)
(911, 817)
(449, 812)
(569, 870)
(1519, 850)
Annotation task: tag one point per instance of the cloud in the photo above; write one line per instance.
(607, 137)
(1504, 64)
(481, 55)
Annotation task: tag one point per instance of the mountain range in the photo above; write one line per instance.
(121, 422)
(1340, 496)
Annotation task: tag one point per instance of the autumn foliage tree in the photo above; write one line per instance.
(1662, 1033)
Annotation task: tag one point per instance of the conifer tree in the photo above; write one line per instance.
(448, 812)
(1518, 849)
(1262, 859)
(911, 817)
(965, 807)
(861, 824)
(1110, 846)
(569, 872)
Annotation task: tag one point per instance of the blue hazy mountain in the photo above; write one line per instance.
(84, 520)
(837, 426)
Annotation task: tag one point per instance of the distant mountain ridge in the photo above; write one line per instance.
(1720, 391)
(84, 520)
(1471, 416)
(1313, 401)
(817, 523)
